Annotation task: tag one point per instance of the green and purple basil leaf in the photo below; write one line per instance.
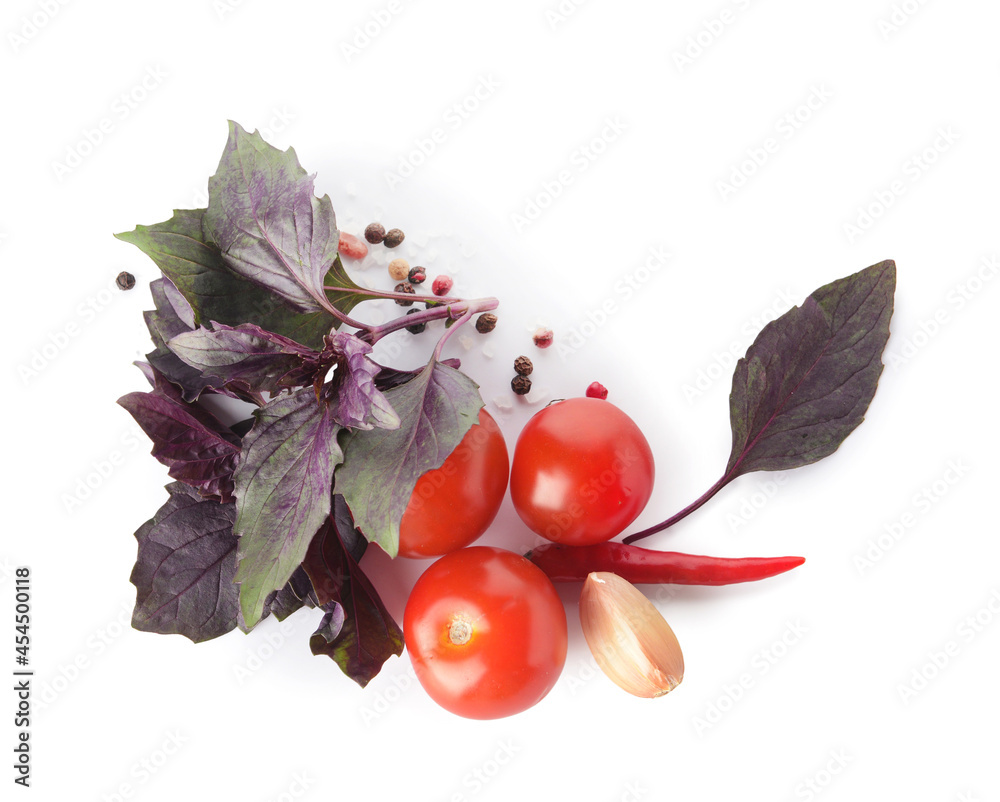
(197, 448)
(269, 225)
(195, 266)
(246, 355)
(283, 481)
(381, 466)
(185, 567)
(807, 380)
(356, 632)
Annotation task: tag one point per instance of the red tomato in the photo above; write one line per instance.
(453, 505)
(486, 632)
(582, 472)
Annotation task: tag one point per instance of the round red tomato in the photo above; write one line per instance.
(582, 472)
(486, 632)
(453, 505)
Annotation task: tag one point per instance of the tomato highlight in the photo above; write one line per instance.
(582, 472)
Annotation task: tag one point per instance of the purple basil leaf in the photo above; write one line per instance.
(246, 355)
(172, 316)
(214, 292)
(283, 492)
(296, 594)
(147, 370)
(352, 539)
(268, 224)
(381, 466)
(185, 566)
(808, 378)
(242, 428)
(329, 630)
(196, 447)
(357, 632)
(358, 403)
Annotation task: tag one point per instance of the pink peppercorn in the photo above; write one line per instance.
(597, 390)
(442, 285)
(351, 246)
(543, 338)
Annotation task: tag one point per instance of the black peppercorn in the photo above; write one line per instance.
(486, 322)
(375, 233)
(406, 288)
(523, 366)
(125, 280)
(393, 237)
(520, 385)
(416, 328)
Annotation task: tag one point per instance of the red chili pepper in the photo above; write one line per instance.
(638, 565)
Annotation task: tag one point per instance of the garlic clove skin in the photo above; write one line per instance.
(631, 642)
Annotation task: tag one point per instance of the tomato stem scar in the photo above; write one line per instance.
(460, 631)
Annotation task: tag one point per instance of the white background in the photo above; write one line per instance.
(833, 658)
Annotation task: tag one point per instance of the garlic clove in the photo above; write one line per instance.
(631, 642)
